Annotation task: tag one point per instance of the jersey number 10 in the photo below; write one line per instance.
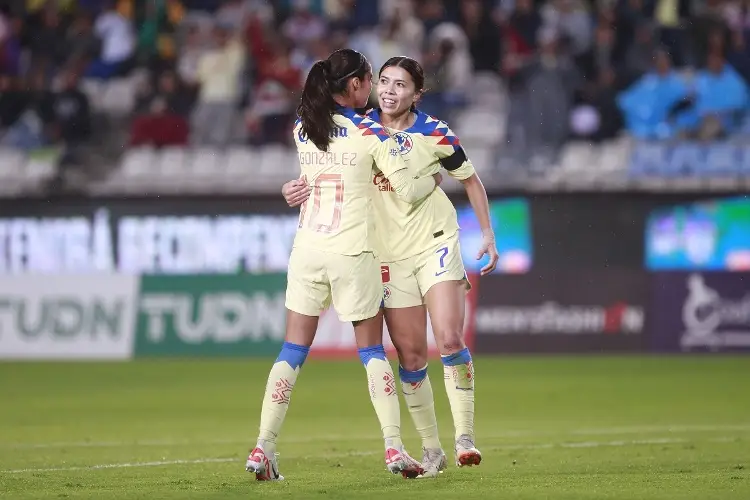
(337, 182)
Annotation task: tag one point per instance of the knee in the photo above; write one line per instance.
(412, 360)
(452, 341)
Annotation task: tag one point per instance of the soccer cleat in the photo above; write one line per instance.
(433, 461)
(265, 468)
(397, 461)
(466, 453)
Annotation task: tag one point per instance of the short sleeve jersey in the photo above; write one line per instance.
(405, 229)
(339, 215)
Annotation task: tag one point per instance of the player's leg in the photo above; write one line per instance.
(406, 318)
(443, 279)
(306, 298)
(357, 294)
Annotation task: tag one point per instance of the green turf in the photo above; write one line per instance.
(549, 428)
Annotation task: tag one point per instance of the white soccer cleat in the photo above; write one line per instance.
(397, 461)
(466, 453)
(264, 468)
(433, 461)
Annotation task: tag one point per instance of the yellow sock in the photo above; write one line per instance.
(459, 384)
(279, 387)
(421, 403)
(383, 395)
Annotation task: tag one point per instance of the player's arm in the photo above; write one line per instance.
(454, 160)
(481, 206)
(409, 188)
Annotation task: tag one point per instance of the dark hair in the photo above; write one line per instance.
(412, 67)
(326, 79)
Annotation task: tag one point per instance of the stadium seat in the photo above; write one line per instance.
(487, 91)
(480, 126)
(580, 160)
(40, 168)
(118, 97)
(721, 160)
(204, 166)
(277, 162)
(240, 169)
(11, 172)
(647, 159)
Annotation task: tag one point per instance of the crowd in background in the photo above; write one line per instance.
(221, 71)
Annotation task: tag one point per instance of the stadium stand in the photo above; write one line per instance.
(173, 96)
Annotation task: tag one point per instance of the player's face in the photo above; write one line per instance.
(361, 90)
(396, 91)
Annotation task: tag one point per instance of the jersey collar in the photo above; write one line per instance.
(416, 127)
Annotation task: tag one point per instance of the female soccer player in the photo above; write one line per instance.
(422, 262)
(333, 258)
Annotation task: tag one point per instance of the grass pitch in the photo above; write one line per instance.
(549, 428)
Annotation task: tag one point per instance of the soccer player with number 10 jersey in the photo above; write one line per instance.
(334, 259)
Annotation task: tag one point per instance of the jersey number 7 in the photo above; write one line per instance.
(337, 182)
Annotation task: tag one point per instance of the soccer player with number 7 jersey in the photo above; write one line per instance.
(422, 260)
(333, 259)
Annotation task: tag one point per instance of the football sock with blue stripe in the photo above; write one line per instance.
(417, 391)
(458, 371)
(382, 388)
(279, 387)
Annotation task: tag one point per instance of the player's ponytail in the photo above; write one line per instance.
(317, 106)
(326, 79)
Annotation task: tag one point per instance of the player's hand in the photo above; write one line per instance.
(296, 192)
(488, 248)
(438, 178)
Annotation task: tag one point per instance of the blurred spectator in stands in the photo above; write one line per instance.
(720, 97)
(81, 43)
(549, 83)
(235, 14)
(431, 13)
(639, 57)
(523, 25)
(12, 101)
(449, 66)
(483, 35)
(303, 26)
(219, 71)
(671, 17)
(71, 116)
(162, 114)
(571, 22)
(704, 24)
(407, 29)
(304, 57)
(601, 56)
(10, 42)
(118, 44)
(47, 40)
(597, 117)
(157, 22)
(270, 115)
(188, 62)
(738, 54)
(30, 130)
(651, 104)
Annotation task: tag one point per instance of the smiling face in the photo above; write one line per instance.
(397, 91)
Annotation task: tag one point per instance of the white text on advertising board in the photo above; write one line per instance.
(551, 317)
(147, 244)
